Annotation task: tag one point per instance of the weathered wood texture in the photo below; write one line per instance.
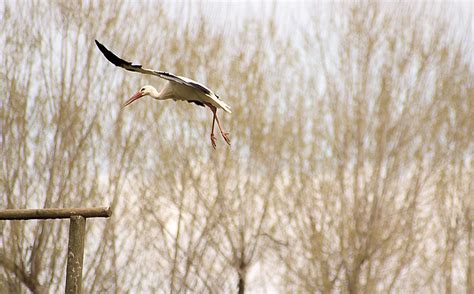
(75, 254)
(77, 231)
(45, 213)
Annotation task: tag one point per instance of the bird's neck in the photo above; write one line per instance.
(165, 93)
(154, 93)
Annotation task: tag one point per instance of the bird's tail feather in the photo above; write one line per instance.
(224, 106)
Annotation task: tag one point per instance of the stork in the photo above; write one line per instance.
(177, 88)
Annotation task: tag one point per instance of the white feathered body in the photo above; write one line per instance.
(181, 92)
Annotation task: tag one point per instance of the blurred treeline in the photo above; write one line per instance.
(350, 170)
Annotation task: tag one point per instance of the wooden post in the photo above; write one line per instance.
(77, 229)
(75, 254)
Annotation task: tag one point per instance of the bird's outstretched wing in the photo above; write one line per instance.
(162, 74)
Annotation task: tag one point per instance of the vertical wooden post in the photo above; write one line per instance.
(75, 254)
(77, 232)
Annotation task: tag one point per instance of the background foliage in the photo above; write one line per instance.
(350, 168)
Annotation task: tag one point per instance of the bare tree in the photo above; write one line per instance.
(362, 215)
(51, 120)
(350, 167)
(213, 215)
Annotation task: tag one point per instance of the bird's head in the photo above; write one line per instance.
(144, 91)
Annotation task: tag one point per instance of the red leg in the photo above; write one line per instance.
(223, 133)
(213, 138)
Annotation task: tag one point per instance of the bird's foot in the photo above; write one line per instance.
(213, 141)
(226, 138)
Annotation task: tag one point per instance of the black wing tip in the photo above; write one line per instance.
(100, 46)
(117, 61)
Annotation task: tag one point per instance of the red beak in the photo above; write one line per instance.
(137, 96)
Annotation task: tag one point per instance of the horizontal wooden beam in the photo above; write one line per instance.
(45, 213)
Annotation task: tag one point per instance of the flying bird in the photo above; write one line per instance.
(177, 88)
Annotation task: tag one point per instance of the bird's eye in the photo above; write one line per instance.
(142, 90)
